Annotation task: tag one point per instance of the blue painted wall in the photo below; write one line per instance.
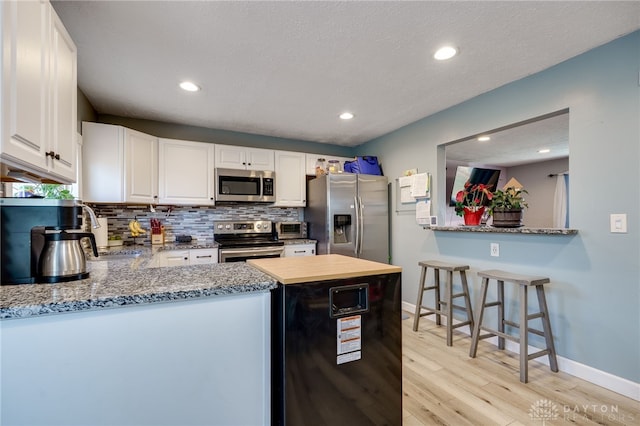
(594, 296)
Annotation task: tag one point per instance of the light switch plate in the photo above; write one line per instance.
(618, 222)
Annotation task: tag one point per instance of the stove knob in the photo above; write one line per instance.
(227, 226)
(220, 226)
(266, 226)
(258, 226)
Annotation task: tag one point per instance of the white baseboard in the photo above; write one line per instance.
(598, 377)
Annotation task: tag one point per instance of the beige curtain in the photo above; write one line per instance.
(560, 202)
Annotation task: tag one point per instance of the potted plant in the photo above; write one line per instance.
(48, 190)
(471, 201)
(507, 206)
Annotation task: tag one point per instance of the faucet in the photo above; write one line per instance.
(92, 216)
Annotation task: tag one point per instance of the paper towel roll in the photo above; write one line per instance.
(102, 233)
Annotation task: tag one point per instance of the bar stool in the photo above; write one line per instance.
(525, 281)
(447, 302)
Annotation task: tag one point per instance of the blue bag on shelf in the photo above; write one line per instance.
(367, 165)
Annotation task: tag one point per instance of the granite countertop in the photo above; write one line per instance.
(496, 230)
(122, 281)
(299, 241)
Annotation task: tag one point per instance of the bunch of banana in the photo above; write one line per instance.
(136, 229)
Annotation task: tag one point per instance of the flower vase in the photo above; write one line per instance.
(473, 215)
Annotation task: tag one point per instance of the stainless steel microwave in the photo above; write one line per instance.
(250, 186)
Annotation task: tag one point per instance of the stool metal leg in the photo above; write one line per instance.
(546, 327)
(524, 336)
(476, 328)
(449, 300)
(438, 300)
(416, 317)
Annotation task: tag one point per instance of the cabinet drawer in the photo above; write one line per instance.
(300, 250)
(174, 258)
(203, 256)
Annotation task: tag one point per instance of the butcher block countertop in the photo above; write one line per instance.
(293, 270)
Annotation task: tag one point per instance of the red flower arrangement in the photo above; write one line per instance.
(472, 197)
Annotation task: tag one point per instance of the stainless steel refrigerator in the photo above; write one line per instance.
(348, 214)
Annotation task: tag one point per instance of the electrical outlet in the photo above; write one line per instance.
(495, 249)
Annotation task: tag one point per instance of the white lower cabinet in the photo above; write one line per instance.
(292, 250)
(192, 362)
(186, 257)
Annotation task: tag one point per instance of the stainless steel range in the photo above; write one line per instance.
(242, 240)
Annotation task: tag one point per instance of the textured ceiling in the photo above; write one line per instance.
(288, 69)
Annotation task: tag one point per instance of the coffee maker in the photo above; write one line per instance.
(41, 240)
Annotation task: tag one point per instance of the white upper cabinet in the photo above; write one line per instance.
(119, 165)
(238, 157)
(141, 167)
(39, 114)
(312, 158)
(186, 172)
(291, 189)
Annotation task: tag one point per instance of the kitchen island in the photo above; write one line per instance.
(336, 341)
(136, 345)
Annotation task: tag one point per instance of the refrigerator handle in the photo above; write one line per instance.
(357, 232)
(360, 225)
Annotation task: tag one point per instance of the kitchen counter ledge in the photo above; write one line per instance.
(491, 229)
(123, 282)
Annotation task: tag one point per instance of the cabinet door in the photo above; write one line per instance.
(293, 250)
(291, 189)
(230, 157)
(140, 167)
(63, 110)
(260, 159)
(102, 163)
(186, 172)
(203, 256)
(174, 258)
(25, 34)
(240, 157)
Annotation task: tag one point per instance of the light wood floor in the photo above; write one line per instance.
(443, 386)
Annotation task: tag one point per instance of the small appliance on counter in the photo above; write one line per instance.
(291, 230)
(41, 240)
(102, 233)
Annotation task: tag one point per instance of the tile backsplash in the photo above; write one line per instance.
(183, 220)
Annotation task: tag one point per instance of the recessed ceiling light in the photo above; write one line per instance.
(544, 151)
(484, 138)
(446, 52)
(189, 86)
(346, 116)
